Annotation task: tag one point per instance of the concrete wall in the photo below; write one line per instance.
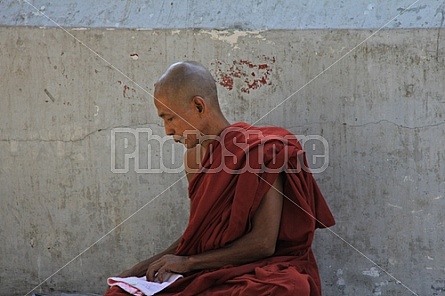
(232, 14)
(380, 107)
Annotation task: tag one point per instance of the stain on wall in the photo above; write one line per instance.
(246, 75)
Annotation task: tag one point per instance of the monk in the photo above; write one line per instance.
(254, 204)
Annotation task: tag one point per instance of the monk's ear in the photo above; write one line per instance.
(199, 104)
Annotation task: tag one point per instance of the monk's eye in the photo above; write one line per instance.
(169, 119)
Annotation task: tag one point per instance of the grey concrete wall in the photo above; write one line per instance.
(380, 107)
(233, 14)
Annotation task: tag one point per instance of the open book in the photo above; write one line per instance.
(139, 286)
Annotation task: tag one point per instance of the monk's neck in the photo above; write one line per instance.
(213, 133)
(216, 126)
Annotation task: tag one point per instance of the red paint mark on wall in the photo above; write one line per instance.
(251, 75)
(124, 91)
(226, 81)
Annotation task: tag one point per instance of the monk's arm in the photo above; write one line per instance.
(140, 269)
(259, 243)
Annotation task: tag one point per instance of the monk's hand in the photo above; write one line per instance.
(167, 263)
(126, 273)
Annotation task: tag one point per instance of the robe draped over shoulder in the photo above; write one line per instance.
(237, 170)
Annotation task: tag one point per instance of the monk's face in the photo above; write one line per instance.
(182, 121)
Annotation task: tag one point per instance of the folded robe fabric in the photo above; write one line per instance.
(237, 171)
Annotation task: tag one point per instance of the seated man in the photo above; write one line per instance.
(254, 204)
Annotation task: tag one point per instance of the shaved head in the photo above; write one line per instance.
(184, 80)
(187, 101)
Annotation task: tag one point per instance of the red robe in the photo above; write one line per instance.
(237, 171)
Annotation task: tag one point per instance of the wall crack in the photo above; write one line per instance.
(80, 138)
(396, 124)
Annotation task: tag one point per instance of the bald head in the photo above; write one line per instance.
(187, 101)
(184, 80)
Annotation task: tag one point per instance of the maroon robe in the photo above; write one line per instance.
(236, 172)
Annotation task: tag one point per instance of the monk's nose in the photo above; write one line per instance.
(169, 131)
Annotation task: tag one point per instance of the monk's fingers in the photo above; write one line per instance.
(152, 270)
(148, 275)
(161, 272)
